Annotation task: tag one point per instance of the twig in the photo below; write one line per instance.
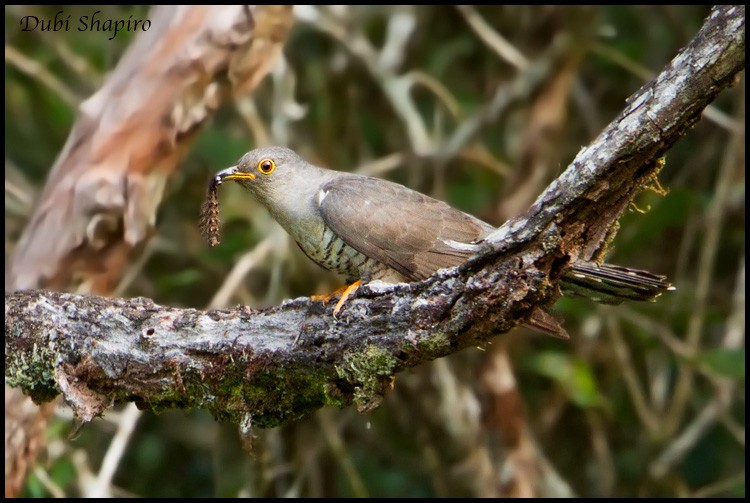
(36, 71)
(50, 485)
(721, 486)
(243, 266)
(336, 444)
(395, 87)
(691, 435)
(125, 427)
(630, 377)
(493, 39)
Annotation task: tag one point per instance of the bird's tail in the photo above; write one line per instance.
(612, 284)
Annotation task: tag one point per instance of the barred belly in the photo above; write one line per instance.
(334, 254)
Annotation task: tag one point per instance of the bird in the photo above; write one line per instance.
(367, 229)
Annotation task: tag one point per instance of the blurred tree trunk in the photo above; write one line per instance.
(99, 203)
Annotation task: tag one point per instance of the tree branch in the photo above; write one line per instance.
(268, 367)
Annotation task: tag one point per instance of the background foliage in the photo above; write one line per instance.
(644, 400)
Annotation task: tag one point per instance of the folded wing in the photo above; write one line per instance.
(404, 229)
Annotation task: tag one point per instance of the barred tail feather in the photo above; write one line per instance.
(612, 284)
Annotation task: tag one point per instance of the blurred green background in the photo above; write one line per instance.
(644, 400)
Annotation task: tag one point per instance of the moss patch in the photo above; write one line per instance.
(371, 373)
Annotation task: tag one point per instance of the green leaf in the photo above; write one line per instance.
(726, 362)
(34, 487)
(574, 376)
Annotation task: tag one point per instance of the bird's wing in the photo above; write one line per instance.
(404, 229)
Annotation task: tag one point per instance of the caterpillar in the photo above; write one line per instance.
(209, 217)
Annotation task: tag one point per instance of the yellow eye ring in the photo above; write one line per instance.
(266, 166)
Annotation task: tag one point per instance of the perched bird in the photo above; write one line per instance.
(368, 229)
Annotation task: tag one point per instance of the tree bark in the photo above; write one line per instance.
(269, 367)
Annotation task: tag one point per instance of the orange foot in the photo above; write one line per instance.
(326, 297)
(345, 295)
(344, 291)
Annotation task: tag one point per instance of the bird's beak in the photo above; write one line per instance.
(232, 173)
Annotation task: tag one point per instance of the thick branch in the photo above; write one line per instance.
(268, 367)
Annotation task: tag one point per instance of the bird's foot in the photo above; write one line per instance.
(344, 291)
(348, 291)
(325, 298)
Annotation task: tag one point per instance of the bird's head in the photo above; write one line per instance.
(267, 169)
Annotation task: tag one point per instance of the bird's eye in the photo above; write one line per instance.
(266, 166)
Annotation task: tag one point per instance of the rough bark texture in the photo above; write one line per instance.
(101, 196)
(264, 368)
